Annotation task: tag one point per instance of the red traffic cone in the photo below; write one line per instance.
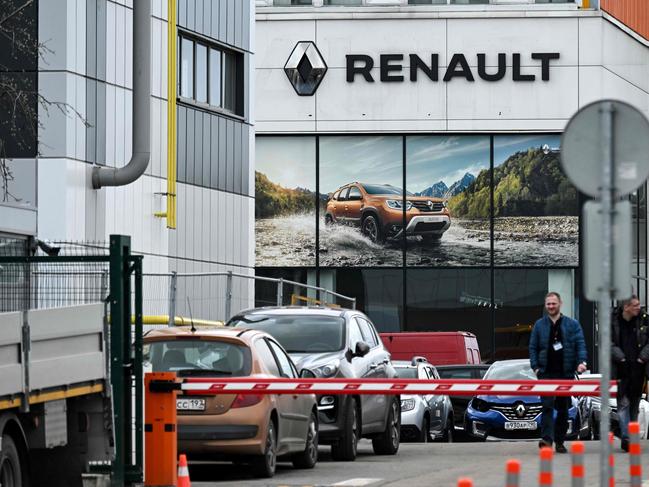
(183, 472)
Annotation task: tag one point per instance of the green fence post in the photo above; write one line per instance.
(120, 320)
(138, 372)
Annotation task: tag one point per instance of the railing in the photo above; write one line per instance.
(632, 13)
(198, 295)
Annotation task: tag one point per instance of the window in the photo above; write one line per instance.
(287, 368)
(355, 334)
(291, 3)
(336, 195)
(186, 68)
(354, 194)
(343, 194)
(368, 334)
(211, 76)
(267, 357)
(345, 3)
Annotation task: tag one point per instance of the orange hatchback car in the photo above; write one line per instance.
(250, 428)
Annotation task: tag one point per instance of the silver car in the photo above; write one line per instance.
(423, 417)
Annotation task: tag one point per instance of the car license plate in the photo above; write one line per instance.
(184, 404)
(520, 425)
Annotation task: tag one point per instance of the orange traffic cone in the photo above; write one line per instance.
(183, 472)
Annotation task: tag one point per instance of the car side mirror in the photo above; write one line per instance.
(306, 374)
(361, 350)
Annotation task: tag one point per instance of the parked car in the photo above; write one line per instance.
(252, 428)
(463, 371)
(378, 209)
(439, 347)
(424, 417)
(643, 412)
(343, 344)
(519, 416)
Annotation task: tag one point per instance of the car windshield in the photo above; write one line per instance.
(455, 373)
(299, 333)
(198, 357)
(406, 372)
(383, 189)
(510, 371)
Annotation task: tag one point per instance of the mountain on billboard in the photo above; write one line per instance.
(459, 186)
(437, 190)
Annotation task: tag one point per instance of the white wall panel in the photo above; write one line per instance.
(52, 29)
(554, 99)
(335, 39)
(111, 43)
(340, 100)
(524, 36)
(52, 213)
(80, 40)
(273, 50)
(120, 46)
(596, 82)
(276, 99)
(128, 49)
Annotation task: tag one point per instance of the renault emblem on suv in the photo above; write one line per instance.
(305, 68)
(520, 410)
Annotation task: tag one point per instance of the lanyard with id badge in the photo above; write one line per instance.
(556, 344)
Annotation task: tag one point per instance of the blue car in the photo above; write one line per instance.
(519, 417)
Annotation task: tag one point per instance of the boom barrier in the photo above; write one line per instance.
(455, 387)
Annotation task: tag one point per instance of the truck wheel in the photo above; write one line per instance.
(387, 443)
(371, 229)
(346, 447)
(264, 465)
(10, 473)
(309, 457)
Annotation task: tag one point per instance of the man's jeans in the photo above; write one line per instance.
(627, 410)
(554, 429)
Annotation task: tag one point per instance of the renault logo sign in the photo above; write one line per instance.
(305, 68)
(520, 410)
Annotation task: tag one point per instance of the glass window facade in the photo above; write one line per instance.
(469, 232)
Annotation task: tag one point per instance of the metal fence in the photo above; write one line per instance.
(217, 296)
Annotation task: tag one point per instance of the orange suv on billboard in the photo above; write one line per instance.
(378, 210)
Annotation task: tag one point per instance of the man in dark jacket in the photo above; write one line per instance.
(630, 354)
(557, 351)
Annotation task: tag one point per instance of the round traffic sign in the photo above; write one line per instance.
(583, 152)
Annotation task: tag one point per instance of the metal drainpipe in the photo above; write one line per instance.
(103, 176)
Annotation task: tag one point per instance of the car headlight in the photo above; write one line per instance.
(480, 405)
(327, 370)
(407, 404)
(398, 204)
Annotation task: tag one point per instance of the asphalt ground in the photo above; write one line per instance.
(433, 464)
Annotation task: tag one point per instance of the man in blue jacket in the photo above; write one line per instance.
(557, 350)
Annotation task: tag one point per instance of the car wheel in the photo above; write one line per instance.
(594, 427)
(264, 465)
(371, 229)
(387, 443)
(309, 457)
(588, 434)
(431, 238)
(10, 473)
(424, 431)
(447, 437)
(346, 447)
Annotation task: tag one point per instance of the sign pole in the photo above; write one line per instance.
(607, 195)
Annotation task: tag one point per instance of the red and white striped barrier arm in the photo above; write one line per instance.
(459, 387)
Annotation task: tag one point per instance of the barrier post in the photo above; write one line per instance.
(513, 470)
(635, 460)
(160, 435)
(464, 482)
(545, 474)
(611, 462)
(577, 473)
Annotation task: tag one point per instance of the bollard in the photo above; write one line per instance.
(513, 470)
(545, 474)
(635, 461)
(464, 482)
(611, 462)
(160, 437)
(577, 451)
